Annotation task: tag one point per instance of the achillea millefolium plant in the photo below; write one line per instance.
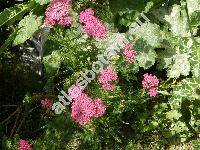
(143, 95)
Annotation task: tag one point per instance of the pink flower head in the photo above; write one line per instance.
(128, 46)
(24, 145)
(129, 54)
(58, 11)
(107, 75)
(83, 109)
(86, 15)
(63, 1)
(108, 87)
(153, 92)
(65, 21)
(99, 107)
(74, 91)
(91, 24)
(149, 81)
(49, 21)
(47, 103)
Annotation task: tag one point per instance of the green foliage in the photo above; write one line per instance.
(180, 66)
(178, 21)
(193, 5)
(195, 60)
(151, 33)
(167, 46)
(10, 15)
(27, 27)
(42, 2)
(147, 56)
(186, 89)
(195, 19)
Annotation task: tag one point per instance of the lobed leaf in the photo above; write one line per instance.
(178, 21)
(186, 89)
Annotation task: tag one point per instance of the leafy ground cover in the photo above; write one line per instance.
(145, 96)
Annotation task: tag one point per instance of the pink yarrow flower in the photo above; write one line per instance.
(83, 108)
(47, 103)
(65, 21)
(24, 145)
(58, 11)
(108, 87)
(99, 108)
(129, 53)
(150, 82)
(74, 91)
(92, 26)
(107, 75)
(153, 92)
(64, 1)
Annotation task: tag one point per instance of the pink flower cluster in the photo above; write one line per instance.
(58, 11)
(129, 53)
(47, 103)
(150, 82)
(83, 108)
(107, 75)
(92, 25)
(24, 145)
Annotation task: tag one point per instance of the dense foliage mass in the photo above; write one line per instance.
(130, 70)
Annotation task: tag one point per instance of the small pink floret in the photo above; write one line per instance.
(150, 82)
(58, 11)
(24, 145)
(108, 87)
(153, 92)
(83, 108)
(92, 25)
(129, 53)
(107, 75)
(47, 103)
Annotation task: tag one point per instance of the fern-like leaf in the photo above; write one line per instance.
(27, 27)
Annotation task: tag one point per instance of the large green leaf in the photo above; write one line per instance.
(186, 89)
(146, 56)
(176, 56)
(151, 33)
(178, 21)
(165, 56)
(27, 27)
(180, 66)
(173, 114)
(9, 15)
(193, 5)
